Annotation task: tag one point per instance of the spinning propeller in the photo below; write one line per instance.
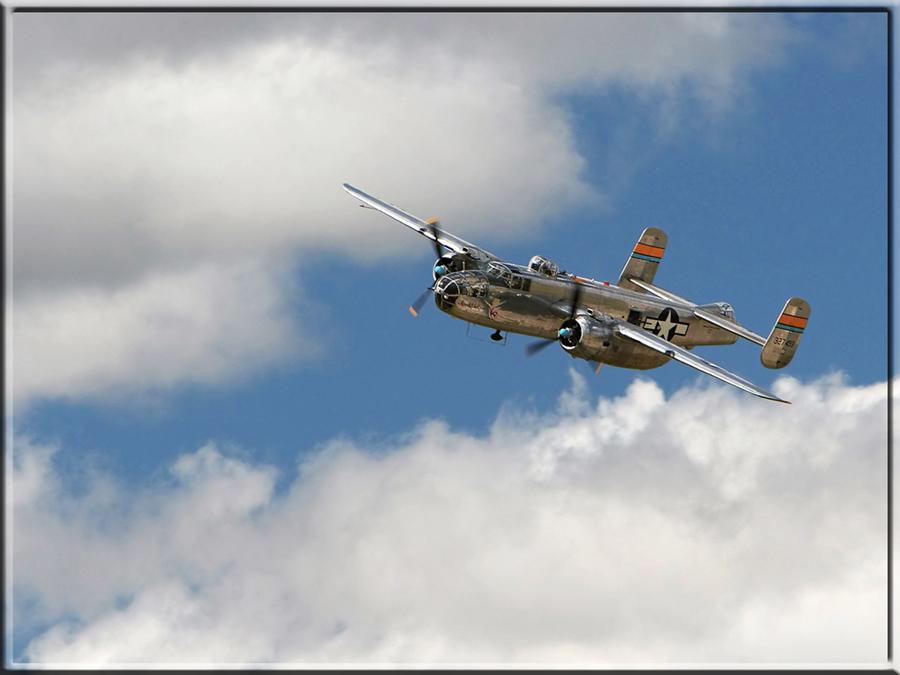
(535, 347)
(417, 305)
(439, 250)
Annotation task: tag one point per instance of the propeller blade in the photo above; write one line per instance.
(576, 296)
(435, 232)
(439, 251)
(417, 305)
(599, 366)
(535, 347)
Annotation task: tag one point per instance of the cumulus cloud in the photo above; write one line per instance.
(151, 146)
(138, 165)
(550, 48)
(206, 325)
(707, 527)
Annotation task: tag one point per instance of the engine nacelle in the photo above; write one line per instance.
(585, 338)
(456, 262)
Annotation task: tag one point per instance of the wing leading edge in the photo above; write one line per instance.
(687, 358)
(447, 240)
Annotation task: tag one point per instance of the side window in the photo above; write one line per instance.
(475, 284)
(543, 266)
(499, 273)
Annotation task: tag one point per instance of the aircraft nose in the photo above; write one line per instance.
(446, 294)
(449, 287)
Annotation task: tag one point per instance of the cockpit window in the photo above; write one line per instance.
(499, 273)
(543, 266)
(471, 283)
(726, 310)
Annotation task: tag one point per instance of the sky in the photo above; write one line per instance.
(229, 442)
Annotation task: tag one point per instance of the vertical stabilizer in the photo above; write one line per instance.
(785, 336)
(644, 259)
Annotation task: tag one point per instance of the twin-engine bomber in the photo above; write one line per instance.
(633, 324)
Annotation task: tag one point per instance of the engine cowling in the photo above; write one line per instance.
(456, 262)
(585, 338)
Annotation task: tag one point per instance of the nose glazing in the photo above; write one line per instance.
(446, 293)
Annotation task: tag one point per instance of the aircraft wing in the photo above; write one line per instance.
(446, 240)
(689, 359)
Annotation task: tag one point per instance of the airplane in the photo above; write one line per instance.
(633, 324)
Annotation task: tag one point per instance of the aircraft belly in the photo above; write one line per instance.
(516, 314)
(627, 354)
(469, 309)
(523, 314)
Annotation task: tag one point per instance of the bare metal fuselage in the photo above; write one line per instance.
(528, 303)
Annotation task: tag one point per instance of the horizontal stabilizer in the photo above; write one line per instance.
(729, 326)
(785, 336)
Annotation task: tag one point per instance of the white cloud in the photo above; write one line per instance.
(249, 154)
(127, 174)
(206, 325)
(709, 527)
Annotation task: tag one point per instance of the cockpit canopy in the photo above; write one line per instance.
(543, 266)
(722, 309)
(725, 309)
(498, 272)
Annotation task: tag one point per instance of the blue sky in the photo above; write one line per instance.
(195, 295)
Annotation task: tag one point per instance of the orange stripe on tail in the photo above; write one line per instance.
(795, 321)
(646, 249)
